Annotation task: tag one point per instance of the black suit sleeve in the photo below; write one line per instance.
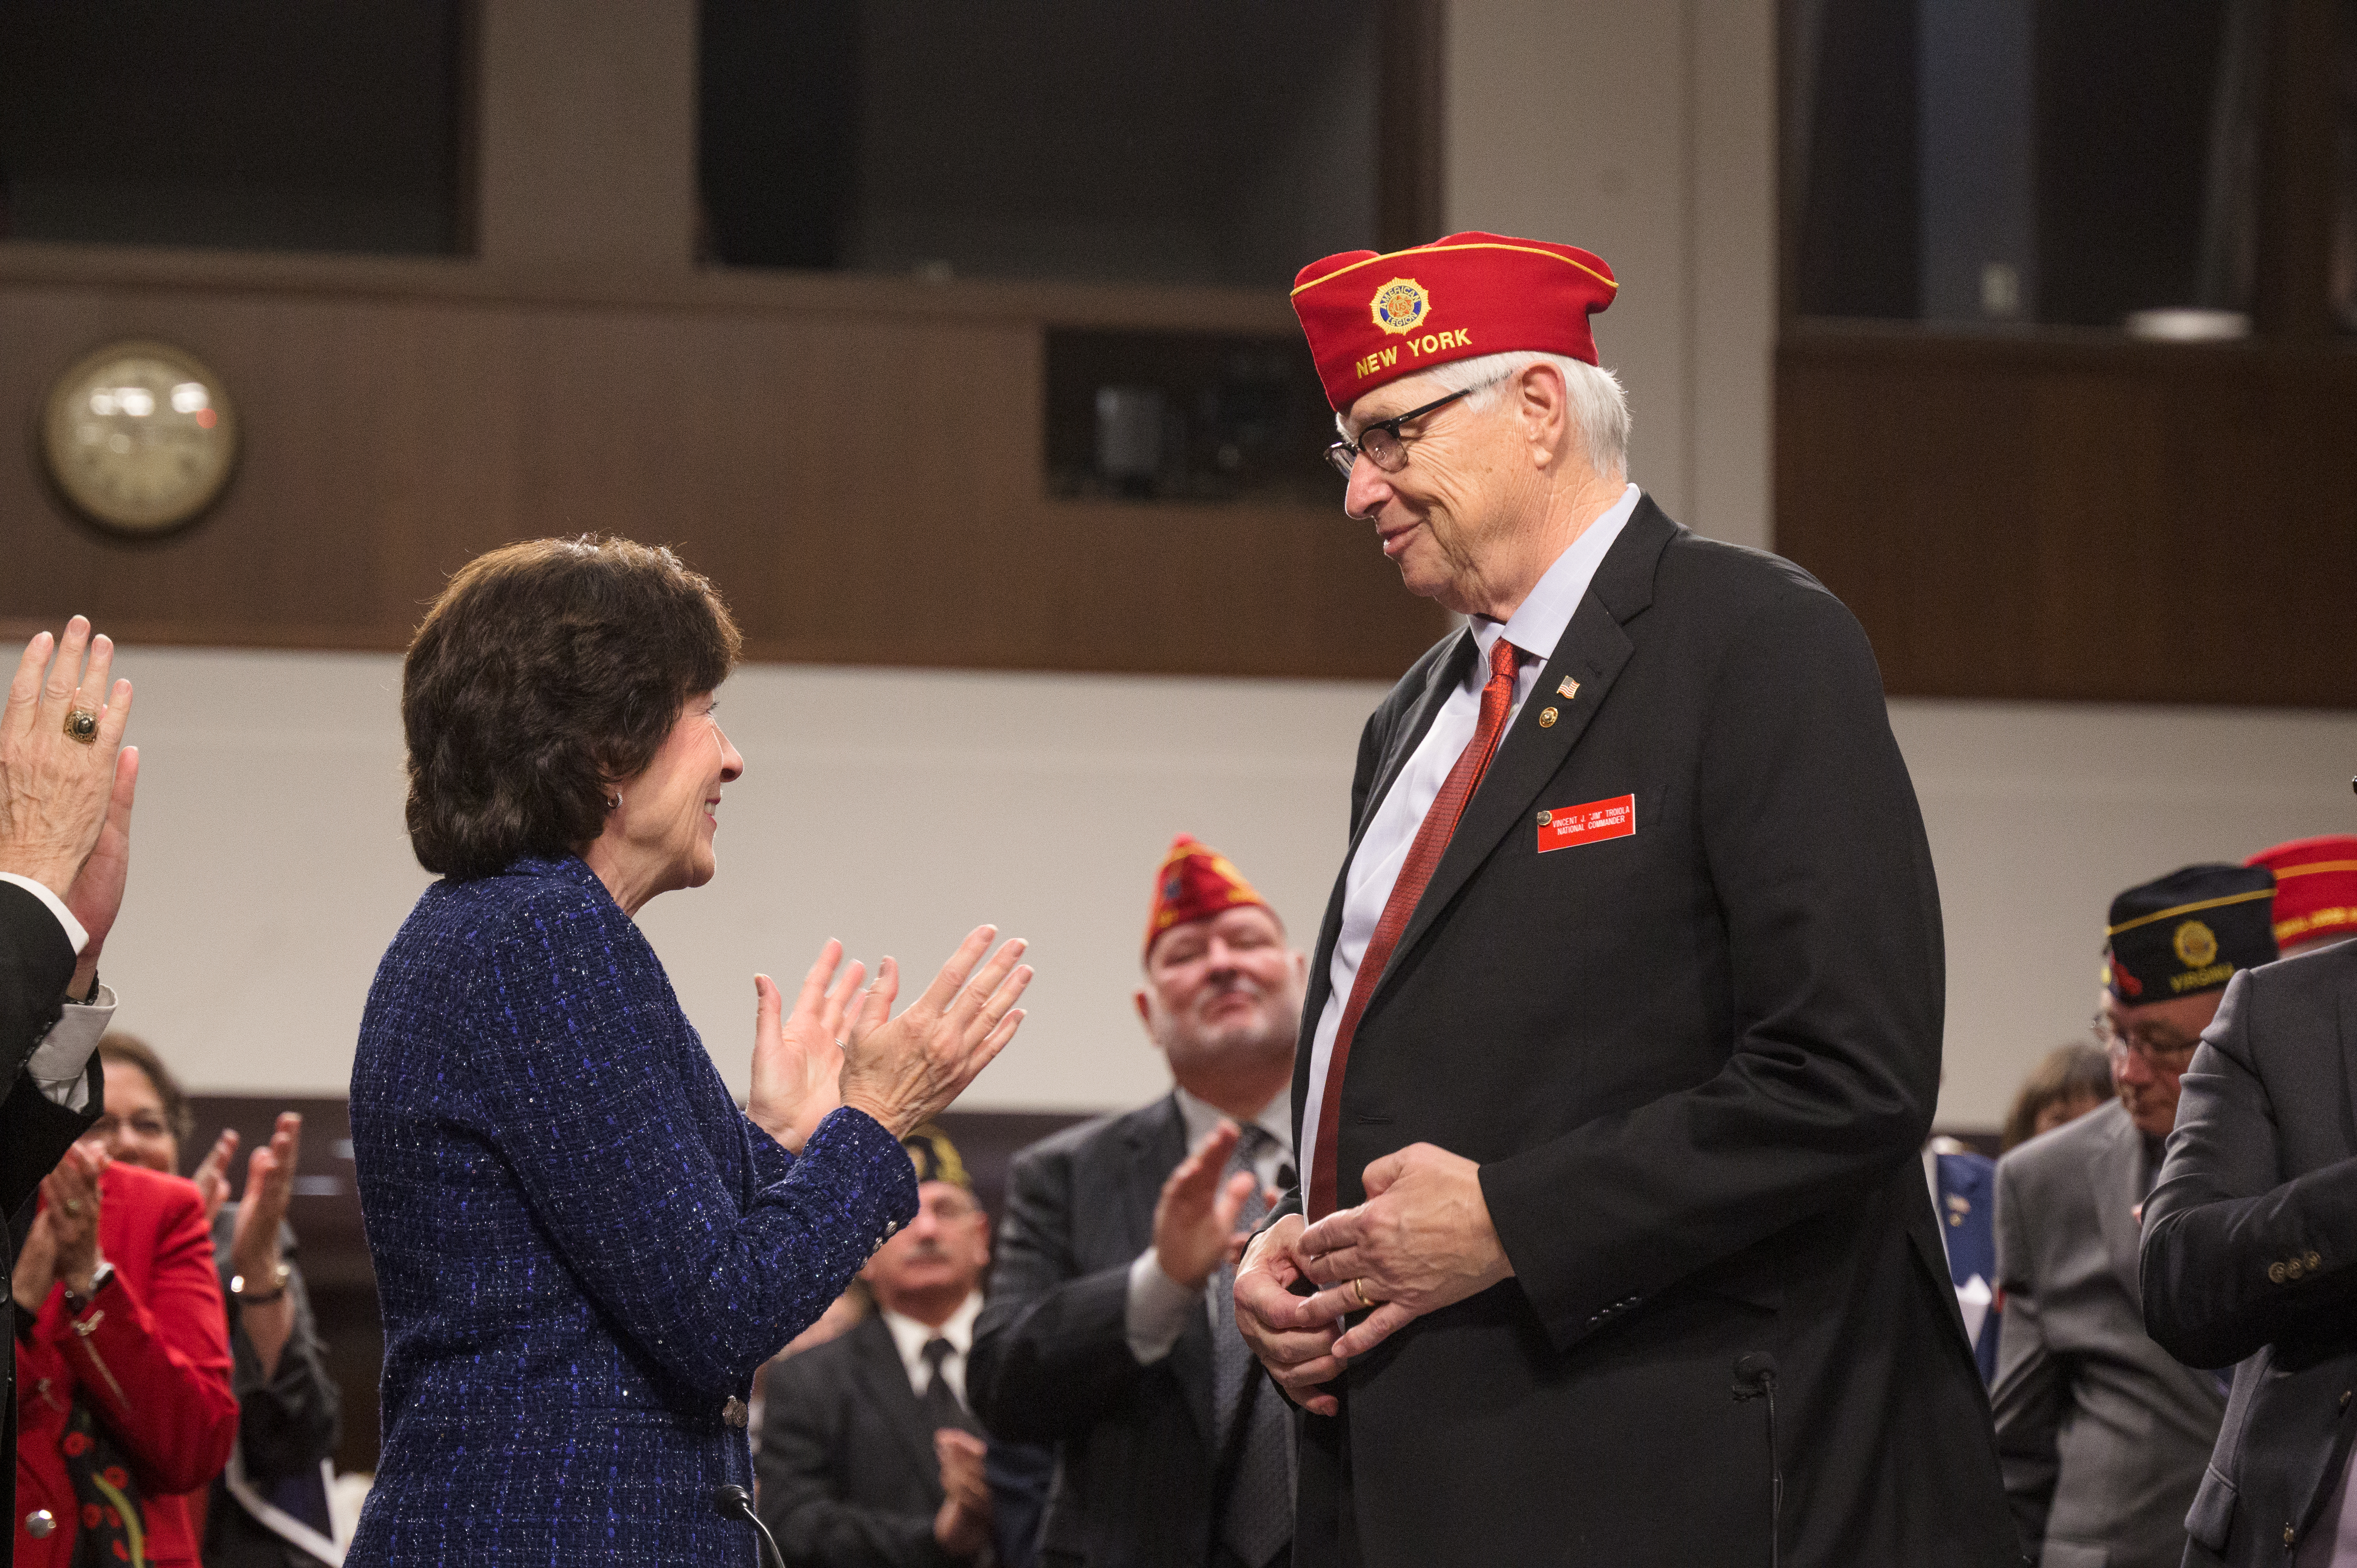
(1051, 1354)
(287, 1423)
(2032, 1392)
(37, 962)
(805, 1443)
(35, 1132)
(2219, 1219)
(1815, 854)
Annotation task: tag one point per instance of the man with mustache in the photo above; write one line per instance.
(869, 1453)
(1108, 1330)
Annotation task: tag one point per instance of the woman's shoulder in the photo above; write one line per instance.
(531, 899)
(150, 1198)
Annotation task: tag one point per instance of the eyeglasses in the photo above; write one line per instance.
(144, 1125)
(1381, 443)
(2168, 1056)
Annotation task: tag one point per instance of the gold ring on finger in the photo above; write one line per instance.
(81, 725)
(1359, 1289)
(73, 1206)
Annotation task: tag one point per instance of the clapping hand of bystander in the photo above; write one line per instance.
(63, 1241)
(962, 1525)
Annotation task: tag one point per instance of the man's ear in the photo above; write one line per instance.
(1144, 1012)
(1544, 403)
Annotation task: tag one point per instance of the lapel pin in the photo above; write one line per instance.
(1569, 689)
(1546, 719)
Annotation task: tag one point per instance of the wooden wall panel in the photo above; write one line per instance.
(2095, 520)
(863, 485)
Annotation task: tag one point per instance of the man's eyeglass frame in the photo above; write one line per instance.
(1390, 453)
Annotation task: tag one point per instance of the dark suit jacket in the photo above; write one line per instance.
(1697, 1064)
(36, 963)
(1052, 1361)
(2101, 1433)
(849, 1478)
(2250, 1250)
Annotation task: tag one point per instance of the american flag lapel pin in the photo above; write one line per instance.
(1568, 688)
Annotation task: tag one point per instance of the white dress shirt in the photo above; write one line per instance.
(59, 1061)
(910, 1338)
(1534, 629)
(1158, 1306)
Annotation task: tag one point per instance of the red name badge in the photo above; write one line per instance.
(1568, 825)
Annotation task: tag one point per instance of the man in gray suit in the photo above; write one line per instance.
(2102, 1433)
(2250, 1256)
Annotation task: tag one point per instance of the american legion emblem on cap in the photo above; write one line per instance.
(2188, 931)
(1400, 306)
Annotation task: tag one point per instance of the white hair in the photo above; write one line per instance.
(1598, 405)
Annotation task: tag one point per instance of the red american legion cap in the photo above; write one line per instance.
(1195, 882)
(2316, 887)
(1372, 317)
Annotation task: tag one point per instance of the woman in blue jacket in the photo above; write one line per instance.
(582, 1247)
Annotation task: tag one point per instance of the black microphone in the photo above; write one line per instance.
(733, 1501)
(1755, 1378)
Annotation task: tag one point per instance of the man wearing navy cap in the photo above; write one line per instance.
(2103, 1433)
(1622, 1035)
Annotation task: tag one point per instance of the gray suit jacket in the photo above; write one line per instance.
(2102, 1433)
(2250, 1250)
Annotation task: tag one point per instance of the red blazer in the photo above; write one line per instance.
(154, 1364)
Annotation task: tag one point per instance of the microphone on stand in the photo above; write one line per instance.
(733, 1501)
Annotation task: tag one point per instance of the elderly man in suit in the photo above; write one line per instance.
(66, 787)
(1108, 1331)
(2250, 1260)
(2101, 1432)
(1623, 1030)
(870, 1457)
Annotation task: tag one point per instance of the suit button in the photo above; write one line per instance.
(2290, 1535)
(2344, 1397)
(733, 1413)
(2314, 1262)
(38, 1524)
(2293, 1269)
(2276, 1273)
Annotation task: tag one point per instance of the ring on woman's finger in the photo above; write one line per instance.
(81, 725)
(1359, 1289)
(72, 1207)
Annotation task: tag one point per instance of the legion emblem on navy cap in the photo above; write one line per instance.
(2190, 932)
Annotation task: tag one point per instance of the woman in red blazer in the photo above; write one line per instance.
(120, 1314)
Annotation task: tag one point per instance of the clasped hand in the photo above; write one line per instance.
(63, 1241)
(840, 1045)
(1422, 1241)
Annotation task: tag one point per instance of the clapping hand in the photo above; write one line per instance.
(797, 1059)
(962, 1526)
(213, 1174)
(262, 1213)
(903, 1071)
(1195, 1218)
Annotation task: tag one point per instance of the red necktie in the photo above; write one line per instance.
(1422, 857)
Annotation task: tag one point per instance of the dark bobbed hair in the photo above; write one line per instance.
(547, 672)
(2075, 1069)
(117, 1046)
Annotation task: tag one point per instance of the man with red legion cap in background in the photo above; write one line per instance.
(1109, 1329)
(1622, 1033)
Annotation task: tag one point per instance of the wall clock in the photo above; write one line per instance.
(139, 437)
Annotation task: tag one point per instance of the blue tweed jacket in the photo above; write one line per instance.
(582, 1247)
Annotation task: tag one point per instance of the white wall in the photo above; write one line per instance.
(895, 809)
(1645, 133)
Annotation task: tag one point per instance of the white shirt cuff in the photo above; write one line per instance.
(60, 1062)
(1158, 1309)
(74, 933)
